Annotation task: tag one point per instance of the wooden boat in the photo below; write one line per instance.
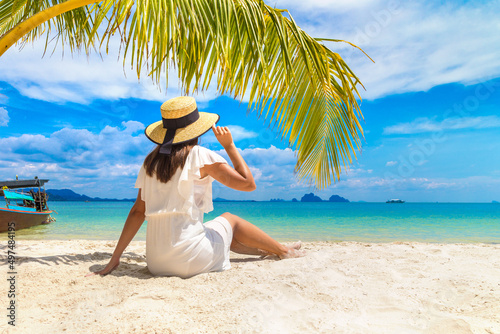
(395, 201)
(26, 208)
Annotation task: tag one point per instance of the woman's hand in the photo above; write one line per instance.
(112, 265)
(223, 135)
(132, 224)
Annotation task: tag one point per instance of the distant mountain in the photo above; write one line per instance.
(218, 199)
(67, 195)
(310, 198)
(495, 202)
(337, 198)
(313, 198)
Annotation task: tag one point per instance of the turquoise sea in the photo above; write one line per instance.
(285, 221)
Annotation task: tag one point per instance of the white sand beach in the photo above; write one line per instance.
(337, 288)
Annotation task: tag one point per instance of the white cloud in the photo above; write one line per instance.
(81, 79)
(274, 166)
(469, 189)
(104, 163)
(391, 163)
(241, 133)
(272, 154)
(256, 172)
(4, 117)
(237, 132)
(316, 6)
(415, 45)
(423, 124)
(275, 177)
(132, 127)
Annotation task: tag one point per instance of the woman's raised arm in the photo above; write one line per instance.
(240, 177)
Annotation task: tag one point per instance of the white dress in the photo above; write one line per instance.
(177, 241)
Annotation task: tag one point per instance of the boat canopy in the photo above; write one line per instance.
(16, 184)
(13, 195)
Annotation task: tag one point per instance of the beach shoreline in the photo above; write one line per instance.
(310, 222)
(342, 287)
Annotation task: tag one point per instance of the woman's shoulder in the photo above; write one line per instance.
(201, 148)
(206, 155)
(197, 149)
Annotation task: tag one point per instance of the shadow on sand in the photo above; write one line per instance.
(130, 263)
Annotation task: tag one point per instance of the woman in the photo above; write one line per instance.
(175, 190)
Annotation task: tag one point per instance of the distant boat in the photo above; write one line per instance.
(25, 209)
(395, 201)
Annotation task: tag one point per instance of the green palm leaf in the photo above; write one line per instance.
(249, 49)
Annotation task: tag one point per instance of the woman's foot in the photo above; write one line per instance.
(293, 246)
(293, 251)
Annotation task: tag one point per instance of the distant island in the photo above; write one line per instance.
(218, 199)
(313, 198)
(337, 198)
(310, 198)
(67, 195)
(495, 202)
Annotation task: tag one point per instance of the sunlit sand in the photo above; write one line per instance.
(337, 287)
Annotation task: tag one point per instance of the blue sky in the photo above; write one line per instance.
(431, 119)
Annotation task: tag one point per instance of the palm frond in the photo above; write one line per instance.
(248, 48)
(71, 23)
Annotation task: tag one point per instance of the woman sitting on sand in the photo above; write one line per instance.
(175, 190)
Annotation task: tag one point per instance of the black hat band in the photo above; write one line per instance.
(172, 124)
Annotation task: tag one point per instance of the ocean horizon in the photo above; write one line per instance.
(306, 221)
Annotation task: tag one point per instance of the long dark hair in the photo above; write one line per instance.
(164, 166)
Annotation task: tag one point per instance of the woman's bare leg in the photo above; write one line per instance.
(254, 239)
(242, 249)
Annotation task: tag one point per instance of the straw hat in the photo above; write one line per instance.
(180, 122)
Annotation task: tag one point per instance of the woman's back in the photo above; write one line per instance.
(177, 243)
(186, 192)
